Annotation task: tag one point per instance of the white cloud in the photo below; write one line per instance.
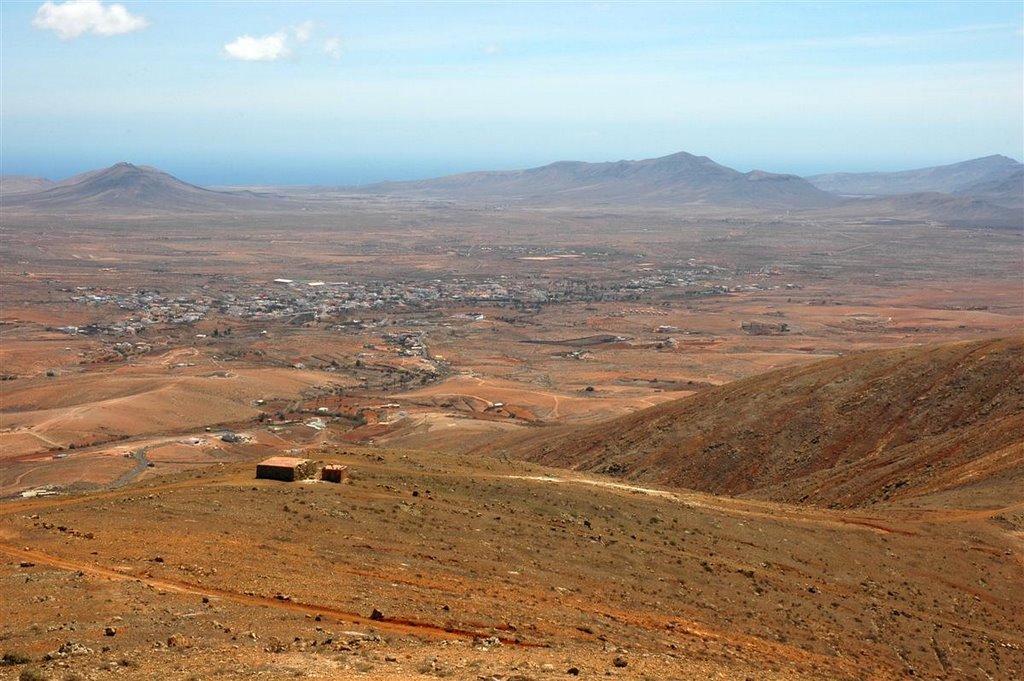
(333, 48)
(267, 48)
(76, 17)
(491, 50)
(303, 31)
(285, 43)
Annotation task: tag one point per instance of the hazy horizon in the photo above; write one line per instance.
(329, 93)
(404, 173)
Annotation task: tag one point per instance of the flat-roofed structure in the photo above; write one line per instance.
(285, 468)
(334, 473)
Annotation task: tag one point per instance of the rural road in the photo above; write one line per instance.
(142, 463)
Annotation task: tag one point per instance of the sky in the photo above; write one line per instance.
(345, 93)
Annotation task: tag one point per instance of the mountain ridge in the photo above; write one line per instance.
(678, 178)
(677, 181)
(946, 179)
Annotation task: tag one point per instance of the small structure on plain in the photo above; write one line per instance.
(286, 468)
(334, 473)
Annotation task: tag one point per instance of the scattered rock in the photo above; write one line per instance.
(276, 646)
(376, 615)
(178, 641)
(489, 642)
(573, 671)
(67, 650)
(620, 662)
(110, 631)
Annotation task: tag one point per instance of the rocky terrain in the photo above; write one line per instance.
(853, 431)
(427, 565)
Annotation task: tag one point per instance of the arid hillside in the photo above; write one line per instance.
(845, 432)
(431, 565)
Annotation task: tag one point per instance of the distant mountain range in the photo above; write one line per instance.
(681, 178)
(983, 192)
(988, 175)
(124, 188)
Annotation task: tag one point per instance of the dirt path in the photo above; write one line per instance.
(17, 480)
(398, 625)
(730, 506)
(41, 437)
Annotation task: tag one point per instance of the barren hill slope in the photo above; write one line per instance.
(431, 565)
(955, 177)
(1006, 190)
(844, 432)
(125, 187)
